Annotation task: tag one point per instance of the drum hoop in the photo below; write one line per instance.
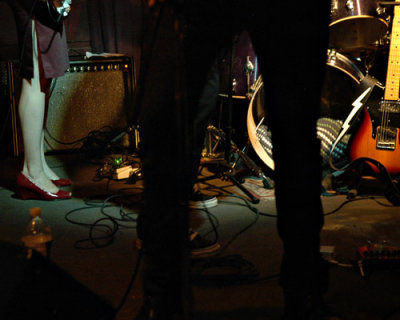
(351, 75)
(251, 129)
(347, 62)
(358, 17)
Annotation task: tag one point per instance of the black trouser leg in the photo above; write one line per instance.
(292, 64)
(163, 222)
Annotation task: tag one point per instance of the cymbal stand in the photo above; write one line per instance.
(227, 169)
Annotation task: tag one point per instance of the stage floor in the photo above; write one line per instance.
(106, 269)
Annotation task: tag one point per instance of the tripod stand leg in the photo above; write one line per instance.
(232, 178)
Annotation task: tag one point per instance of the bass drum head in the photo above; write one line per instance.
(258, 132)
(341, 81)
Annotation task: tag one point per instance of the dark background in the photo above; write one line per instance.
(116, 26)
(93, 25)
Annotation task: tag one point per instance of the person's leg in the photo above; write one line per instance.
(163, 221)
(292, 65)
(209, 30)
(174, 80)
(31, 109)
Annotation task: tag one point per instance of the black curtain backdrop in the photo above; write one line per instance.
(116, 26)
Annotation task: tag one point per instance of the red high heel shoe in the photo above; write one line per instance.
(29, 190)
(62, 182)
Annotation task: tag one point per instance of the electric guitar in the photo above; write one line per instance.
(378, 135)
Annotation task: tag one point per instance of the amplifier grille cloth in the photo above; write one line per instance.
(82, 102)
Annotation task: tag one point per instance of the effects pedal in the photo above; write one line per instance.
(378, 255)
(125, 172)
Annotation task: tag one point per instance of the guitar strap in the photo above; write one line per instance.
(391, 187)
(364, 90)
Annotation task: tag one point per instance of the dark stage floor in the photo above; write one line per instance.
(244, 229)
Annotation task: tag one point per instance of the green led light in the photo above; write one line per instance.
(117, 161)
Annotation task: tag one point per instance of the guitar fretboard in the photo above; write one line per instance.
(393, 72)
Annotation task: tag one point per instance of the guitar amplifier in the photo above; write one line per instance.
(10, 136)
(91, 95)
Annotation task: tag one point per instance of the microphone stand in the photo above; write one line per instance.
(228, 129)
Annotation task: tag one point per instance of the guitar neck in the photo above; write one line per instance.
(393, 72)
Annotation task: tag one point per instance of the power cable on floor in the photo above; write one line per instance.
(350, 200)
(223, 271)
(234, 270)
(107, 226)
(226, 270)
(242, 230)
(131, 281)
(214, 222)
(95, 141)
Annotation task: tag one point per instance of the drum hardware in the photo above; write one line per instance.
(334, 6)
(234, 84)
(381, 11)
(331, 55)
(228, 169)
(212, 145)
(368, 60)
(249, 70)
(244, 68)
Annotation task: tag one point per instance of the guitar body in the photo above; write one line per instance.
(369, 142)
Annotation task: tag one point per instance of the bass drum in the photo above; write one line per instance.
(341, 81)
(356, 25)
(258, 132)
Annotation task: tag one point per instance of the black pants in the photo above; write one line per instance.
(290, 42)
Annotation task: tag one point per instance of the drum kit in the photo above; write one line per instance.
(359, 33)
